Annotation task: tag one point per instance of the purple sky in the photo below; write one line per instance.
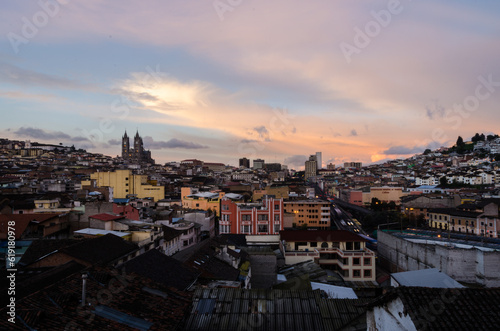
(279, 80)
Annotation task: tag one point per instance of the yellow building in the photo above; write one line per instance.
(124, 183)
(312, 213)
(279, 192)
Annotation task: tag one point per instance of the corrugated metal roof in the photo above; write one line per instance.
(257, 309)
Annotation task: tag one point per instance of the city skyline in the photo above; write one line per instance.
(221, 80)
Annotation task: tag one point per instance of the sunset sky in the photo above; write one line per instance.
(279, 80)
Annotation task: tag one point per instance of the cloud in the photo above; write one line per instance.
(37, 133)
(149, 143)
(435, 110)
(296, 161)
(353, 133)
(114, 142)
(24, 77)
(403, 150)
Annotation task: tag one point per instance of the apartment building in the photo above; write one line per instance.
(265, 218)
(342, 251)
(312, 213)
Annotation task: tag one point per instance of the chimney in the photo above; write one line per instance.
(84, 288)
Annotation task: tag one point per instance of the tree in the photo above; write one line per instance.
(427, 151)
(482, 137)
(491, 137)
(460, 141)
(476, 138)
(443, 181)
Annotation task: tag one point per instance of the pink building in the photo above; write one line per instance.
(251, 218)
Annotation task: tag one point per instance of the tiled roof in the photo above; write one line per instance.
(101, 250)
(319, 235)
(162, 269)
(115, 301)
(40, 248)
(22, 222)
(448, 309)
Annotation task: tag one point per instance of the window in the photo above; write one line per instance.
(197, 205)
(277, 218)
(356, 273)
(246, 217)
(276, 207)
(356, 261)
(245, 229)
(185, 243)
(367, 273)
(313, 244)
(262, 227)
(262, 217)
(225, 207)
(324, 245)
(277, 228)
(367, 261)
(348, 246)
(357, 246)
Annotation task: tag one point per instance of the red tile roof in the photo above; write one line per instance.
(319, 235)
(21, 222)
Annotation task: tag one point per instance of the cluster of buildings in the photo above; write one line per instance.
(211, 246)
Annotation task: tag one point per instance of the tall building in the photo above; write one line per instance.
(136, 154)
(311, 167)
(319, 160)
(244, 162)
(258, 164)
(356, 165)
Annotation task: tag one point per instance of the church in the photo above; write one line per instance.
(137, 153)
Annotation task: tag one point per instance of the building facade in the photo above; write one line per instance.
(125, 183)
(264, 218)
(342, 251)
(310, 213)
(137, 153)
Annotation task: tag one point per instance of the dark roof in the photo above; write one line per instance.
(22, 222)
(448, 309)
(238, 240)
(101, 250)
(319, 235)
(202, 257)
(162, 269)
(228, 309)
(454, 212)
(105, 217)
(40, 248)
(170, 233)
(135, 302)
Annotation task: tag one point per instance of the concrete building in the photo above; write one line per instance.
(311, 167)
(244, 162)
(125, 183)
(463, 262)
(355, 165)
(319, 160)
(312, 213)
(258, 164)
(264, 218)
(342, 251)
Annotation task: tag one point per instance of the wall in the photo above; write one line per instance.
(462, 264)
(389, 317)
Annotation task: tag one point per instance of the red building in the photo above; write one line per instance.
(251, 218)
